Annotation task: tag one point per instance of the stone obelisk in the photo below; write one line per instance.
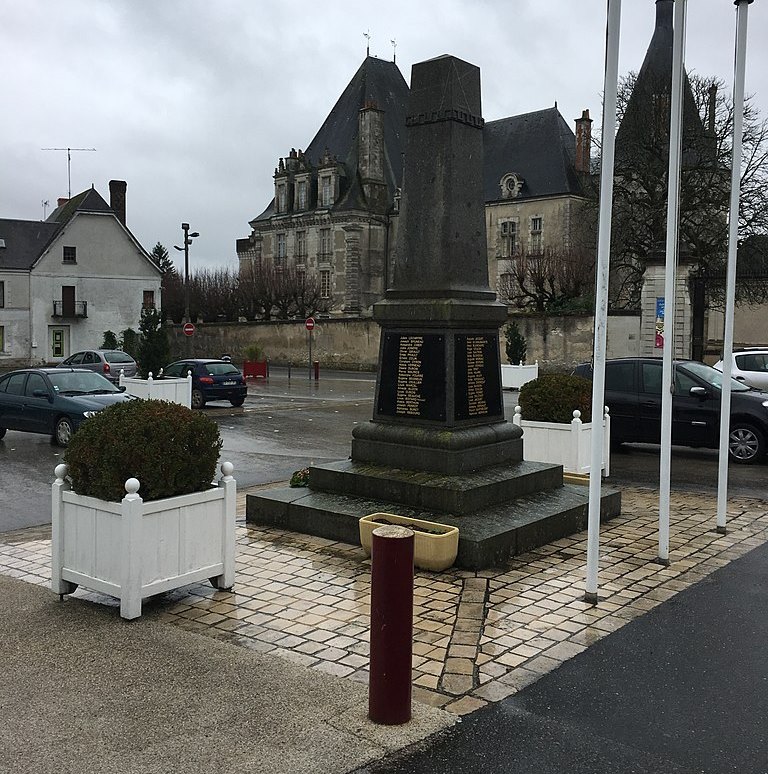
(438, 403)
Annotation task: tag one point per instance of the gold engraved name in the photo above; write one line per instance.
(476, 403)
(409, 376)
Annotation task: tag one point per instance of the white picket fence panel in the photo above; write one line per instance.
(173, 390)
(567, 444)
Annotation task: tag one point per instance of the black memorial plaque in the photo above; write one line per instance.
(476, 387)
(412, 376)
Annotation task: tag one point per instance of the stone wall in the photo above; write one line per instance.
(558, 343)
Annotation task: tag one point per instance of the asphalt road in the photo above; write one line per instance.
(286, 425)
(680, 690)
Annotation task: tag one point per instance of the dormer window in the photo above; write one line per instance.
(282, 197)
(301, 195)
(326, 190)
(511, 184)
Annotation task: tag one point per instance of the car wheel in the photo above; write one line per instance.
(237, 401)
(746, 443)
(198, 399)
(63, 431)
(3, 431)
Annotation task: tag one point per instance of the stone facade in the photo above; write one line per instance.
(335, 210)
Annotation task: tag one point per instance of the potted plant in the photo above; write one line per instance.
(134, 512)
(435, 545)
(517, 373)
(555, 413)
(255, 365)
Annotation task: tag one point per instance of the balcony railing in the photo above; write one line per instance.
(78, 309)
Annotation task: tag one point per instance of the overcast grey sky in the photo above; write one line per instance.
(193, 101)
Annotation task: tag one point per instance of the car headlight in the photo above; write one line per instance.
(89, 414)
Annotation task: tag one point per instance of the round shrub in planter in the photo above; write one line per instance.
(554, 398)
(169, 448)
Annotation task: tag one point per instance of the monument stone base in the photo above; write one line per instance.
(501, 511)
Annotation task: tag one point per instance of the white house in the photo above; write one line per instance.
(66, 280)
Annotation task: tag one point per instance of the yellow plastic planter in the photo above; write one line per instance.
(434, 550)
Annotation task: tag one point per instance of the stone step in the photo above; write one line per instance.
(462, 493)
(486, 539)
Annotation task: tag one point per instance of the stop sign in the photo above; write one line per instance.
(188, 329)
(310, 323)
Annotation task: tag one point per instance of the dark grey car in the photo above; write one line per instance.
(53, 401)
(107, 362)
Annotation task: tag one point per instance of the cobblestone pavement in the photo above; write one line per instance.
(478, 637)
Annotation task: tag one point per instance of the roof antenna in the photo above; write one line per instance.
(69, 164)
(394, 51)
(45, 204)
(367, 36)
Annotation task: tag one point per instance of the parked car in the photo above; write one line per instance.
(108, 362)
(633, 395)
(211, 380)
(53, 401)
(749, 366)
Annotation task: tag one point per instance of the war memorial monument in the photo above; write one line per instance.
(438, 446)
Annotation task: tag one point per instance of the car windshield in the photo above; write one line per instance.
(81, 383)
(221, 369)
(712, 376)
(117, 357)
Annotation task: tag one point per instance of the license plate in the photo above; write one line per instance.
(229, 382)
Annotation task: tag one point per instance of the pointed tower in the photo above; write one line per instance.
(644, 130)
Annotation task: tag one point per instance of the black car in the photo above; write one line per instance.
(633, 395)
(53, 401)
(211, 380)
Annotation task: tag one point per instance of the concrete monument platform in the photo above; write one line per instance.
(521, 517)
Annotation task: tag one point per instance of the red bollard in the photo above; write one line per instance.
(316, 365)
(389, 689)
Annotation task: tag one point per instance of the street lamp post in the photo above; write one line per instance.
(187, 242)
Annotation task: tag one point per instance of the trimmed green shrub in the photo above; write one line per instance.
(110, 340)
(169, 448)
(554, 398)
(255, 353)
(516, 346)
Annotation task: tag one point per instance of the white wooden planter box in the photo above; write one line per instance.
(515, 376)
(569, 445)
(173, 390)
(132, 549)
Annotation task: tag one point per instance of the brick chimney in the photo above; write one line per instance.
(61, 200)
(583, 142)
(117, 190)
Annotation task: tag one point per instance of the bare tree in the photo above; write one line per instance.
(552, 281)
(640, 185)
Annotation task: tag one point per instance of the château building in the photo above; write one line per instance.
(335, 207)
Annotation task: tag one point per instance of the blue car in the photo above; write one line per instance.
(53, 401)
(211, 380)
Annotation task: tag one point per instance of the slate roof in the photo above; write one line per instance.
(655, 77)
(381, 83)
(538, 146)
(25, 240)
(89, 200)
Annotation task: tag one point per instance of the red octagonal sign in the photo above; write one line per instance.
(310, 323)
(188, 329)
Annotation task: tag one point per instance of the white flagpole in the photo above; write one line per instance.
(610, 90)
(670, 275)
(733, 234)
